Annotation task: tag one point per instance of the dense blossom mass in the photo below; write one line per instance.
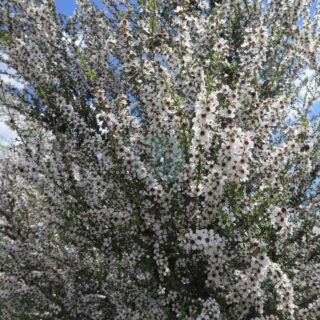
(167, 160)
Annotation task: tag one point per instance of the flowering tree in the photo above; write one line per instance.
(167, 164)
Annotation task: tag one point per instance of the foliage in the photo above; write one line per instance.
(167, 165)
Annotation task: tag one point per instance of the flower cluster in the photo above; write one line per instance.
(166, 164)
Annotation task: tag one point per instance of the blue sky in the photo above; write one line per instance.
(67, 6)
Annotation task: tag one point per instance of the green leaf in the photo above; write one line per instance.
(225, 216)
(182, 315)
(177, 101)
(91, 74)
(4, 35)
(153, 21)
(122, 14)
(305, 122)
(82, 57)
(148, 264)
(135, 222)
(167, 311)
(215, 10)
(67, 224)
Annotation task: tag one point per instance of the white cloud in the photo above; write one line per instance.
(307, 75)
(292, 114)
(9, 78)
(308, 90)
(6, 133)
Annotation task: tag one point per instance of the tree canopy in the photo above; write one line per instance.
(167, 160)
